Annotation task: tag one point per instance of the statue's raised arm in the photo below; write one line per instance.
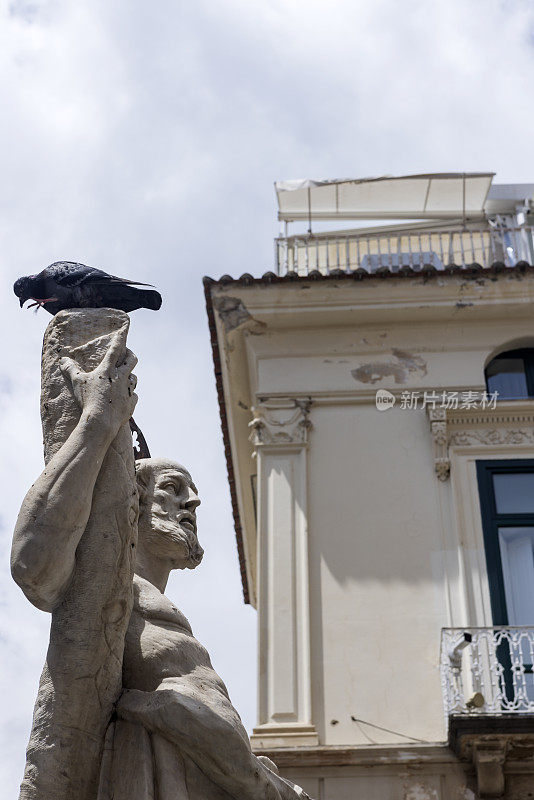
(74, 547)
(56, 509)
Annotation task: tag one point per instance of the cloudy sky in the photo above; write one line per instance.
(144, 138)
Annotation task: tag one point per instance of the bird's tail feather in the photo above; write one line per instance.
(151, 299)
(128, 298)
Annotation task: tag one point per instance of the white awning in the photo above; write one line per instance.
(506, 198)
(455, 195)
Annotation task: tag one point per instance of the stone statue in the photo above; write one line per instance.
(129, 705)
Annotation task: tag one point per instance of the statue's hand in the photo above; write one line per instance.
(131, 704)
(107, 393)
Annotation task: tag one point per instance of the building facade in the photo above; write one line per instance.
(378, 420)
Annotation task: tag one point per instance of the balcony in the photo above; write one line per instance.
(488, 670)
(404, 247)
(488, 692)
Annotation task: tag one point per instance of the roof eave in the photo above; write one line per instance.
(208, 283)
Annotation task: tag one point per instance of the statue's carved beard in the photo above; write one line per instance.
(173, 541)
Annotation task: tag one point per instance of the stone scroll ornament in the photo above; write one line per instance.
(129, 706)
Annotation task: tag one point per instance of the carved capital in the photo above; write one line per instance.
(280, 422)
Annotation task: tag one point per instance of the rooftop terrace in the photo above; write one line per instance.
(456, 219)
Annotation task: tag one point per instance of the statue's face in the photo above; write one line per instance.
(171, 507)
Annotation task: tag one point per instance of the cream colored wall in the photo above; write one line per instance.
(376, 575)
(394, 553)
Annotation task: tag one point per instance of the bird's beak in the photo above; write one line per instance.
(22, 301)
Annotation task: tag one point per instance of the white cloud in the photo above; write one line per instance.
(144, 138)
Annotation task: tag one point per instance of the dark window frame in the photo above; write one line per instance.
(527, 355)
(492, 521)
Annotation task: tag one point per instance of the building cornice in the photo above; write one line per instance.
(359, 755)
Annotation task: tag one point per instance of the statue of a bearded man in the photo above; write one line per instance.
(162, 726)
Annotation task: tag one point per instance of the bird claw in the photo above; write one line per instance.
(40, 303)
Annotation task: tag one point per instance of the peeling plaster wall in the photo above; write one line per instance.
(400, 368)
(232, 311)
(233, 314)
(377, 554)
(385, 541)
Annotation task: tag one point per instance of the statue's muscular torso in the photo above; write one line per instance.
(160, 651)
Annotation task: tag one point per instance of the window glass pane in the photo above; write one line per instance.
(514, 492)
(517, 559)
(507, 377)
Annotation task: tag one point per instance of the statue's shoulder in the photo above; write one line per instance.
(151, 604)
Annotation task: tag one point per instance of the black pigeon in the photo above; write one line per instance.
(66, 284)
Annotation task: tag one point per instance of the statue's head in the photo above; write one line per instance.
(168, 501)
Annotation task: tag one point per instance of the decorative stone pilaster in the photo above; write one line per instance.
(279, 432)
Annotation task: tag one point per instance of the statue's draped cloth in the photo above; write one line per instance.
(140, 766)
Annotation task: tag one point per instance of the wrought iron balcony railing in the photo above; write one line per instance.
(488, 670)
(404, 247)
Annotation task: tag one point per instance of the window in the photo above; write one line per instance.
(507, 504)
(511, 374)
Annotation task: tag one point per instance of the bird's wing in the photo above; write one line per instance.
(115, 279)
(69, 273)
